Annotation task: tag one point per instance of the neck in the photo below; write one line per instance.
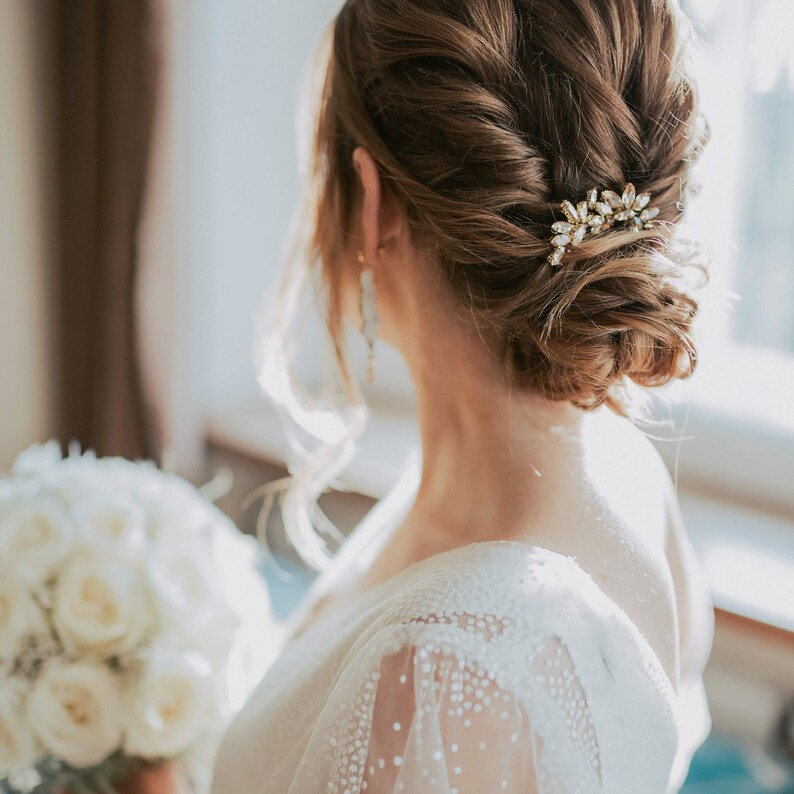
(491, 453)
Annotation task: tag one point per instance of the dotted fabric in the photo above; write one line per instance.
(496, 667)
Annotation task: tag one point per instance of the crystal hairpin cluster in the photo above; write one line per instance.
(594, 216)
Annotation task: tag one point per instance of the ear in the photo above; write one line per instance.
(379, 221)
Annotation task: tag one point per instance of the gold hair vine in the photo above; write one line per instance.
(592, 215)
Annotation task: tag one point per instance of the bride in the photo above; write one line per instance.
(498, 184)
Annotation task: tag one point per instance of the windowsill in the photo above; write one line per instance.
(747, 553)
(748, 558)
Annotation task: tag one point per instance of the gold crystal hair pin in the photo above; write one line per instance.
(594, 216)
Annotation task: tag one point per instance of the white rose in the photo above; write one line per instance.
(174, 519)
(74, 711)
(236, 558)
(168, 706)
(38, 459)
(18, 746)
(257, 635)
(79, 479)
(76, 481)
(101, 607)
(184, 583)
(20, 616)
(113, 522)
(36, 534)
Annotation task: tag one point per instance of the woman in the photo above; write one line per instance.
(537, 622)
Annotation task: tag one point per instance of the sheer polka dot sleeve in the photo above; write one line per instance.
(440, 714)
(511, 673)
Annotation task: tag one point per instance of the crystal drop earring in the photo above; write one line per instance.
(368, 308)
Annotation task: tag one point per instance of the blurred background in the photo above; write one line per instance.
(148, 174)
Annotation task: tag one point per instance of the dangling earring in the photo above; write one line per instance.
(368, 307)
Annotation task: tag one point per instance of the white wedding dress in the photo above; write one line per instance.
(494, 667)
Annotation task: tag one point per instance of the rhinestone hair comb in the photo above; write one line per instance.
(594, 216)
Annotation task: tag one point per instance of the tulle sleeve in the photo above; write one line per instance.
(442, 709)
(512, 675)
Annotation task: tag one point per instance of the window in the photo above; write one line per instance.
(757, 37)
(739, 413)
(746, 74)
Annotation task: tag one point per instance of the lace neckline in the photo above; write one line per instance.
(377, 593)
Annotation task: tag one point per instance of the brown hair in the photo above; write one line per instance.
(483, 115)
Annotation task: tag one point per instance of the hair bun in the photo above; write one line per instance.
(625, 313)
(481, 114)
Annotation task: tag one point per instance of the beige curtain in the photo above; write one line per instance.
(106, 86)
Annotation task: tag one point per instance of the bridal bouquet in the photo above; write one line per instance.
(133, 623)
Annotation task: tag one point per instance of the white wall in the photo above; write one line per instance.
(26, 382)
